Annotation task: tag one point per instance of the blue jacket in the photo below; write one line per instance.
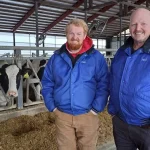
(75, 89)
(130, 84)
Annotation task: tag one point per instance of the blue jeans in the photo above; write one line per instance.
(130, 137)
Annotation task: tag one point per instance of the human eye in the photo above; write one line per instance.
(133, 25)
(143, 23)
(79, 34)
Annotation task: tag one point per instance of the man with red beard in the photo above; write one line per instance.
(75, 88)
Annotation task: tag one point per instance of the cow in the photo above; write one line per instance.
(10, 76)
(39, 66)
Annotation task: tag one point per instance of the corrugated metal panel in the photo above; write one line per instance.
(19, 15)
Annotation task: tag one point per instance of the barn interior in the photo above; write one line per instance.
(31, 30)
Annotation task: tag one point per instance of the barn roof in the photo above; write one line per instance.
(20, 16)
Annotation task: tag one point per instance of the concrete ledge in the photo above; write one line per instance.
(31, 110)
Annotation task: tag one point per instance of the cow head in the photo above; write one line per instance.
(10, 76)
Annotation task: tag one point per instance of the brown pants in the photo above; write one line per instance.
(76, 132)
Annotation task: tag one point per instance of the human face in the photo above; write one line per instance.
(140, 26)
(75, 37)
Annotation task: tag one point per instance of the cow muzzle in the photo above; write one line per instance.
(12, 94)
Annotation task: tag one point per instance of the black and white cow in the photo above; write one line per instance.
(10, 76)
(39, 66)
(40, 72)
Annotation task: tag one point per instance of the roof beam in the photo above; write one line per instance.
(139, 2)
(64, 15)
(105, 8)
(100, 6)
(25, 17)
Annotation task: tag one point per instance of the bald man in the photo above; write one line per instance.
(129, 102)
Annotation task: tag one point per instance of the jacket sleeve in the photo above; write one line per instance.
(102, 90)
(48, 85)
(111, 109)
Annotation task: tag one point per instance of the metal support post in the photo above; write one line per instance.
(120, 7)
(147, 3)
(20, 90)
(85, 7)
(37, 31)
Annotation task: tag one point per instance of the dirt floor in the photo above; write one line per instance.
(38, 132)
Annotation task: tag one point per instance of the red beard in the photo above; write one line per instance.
(73, 46)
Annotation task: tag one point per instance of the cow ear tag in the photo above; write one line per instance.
(26, 76)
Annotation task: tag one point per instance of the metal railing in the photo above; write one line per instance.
(20, 59)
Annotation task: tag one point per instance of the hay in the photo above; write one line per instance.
(38, 132)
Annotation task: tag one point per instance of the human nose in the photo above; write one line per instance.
(75, 36)
(138, 27)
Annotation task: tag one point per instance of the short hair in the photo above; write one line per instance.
(140, 8)
(78, 23)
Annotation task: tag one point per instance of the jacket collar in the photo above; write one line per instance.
(63, 49)
(145, 47)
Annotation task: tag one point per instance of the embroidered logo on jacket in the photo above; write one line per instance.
(144, 59)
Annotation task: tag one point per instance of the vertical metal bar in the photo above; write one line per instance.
(117, 41)
(20, 90)
(125, 9)
(37, 30)
(108, 45)
(44, 46)
(55, 42)
(14, 39)
(120, 7)
(85, 7)
(14, 42)
(125, 36)
(147, 3)
(17, 53)
(90, 3)
(30, 44)
(27, 86)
